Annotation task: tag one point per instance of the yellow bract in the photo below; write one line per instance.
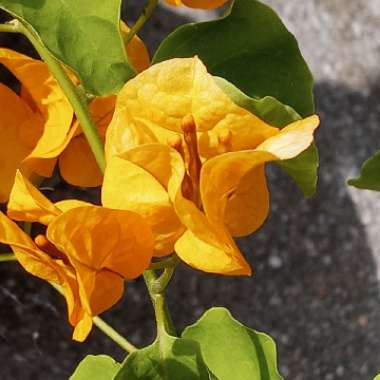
(202, 4)
(152, 106)
(88, 250)
(179, 150)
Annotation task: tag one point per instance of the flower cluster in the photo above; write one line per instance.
(185, 174)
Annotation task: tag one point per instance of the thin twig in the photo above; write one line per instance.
(143, 18)
(4, 257)
(105, 327)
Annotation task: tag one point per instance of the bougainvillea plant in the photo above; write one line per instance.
(178, 144)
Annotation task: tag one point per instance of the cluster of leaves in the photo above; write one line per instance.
(199, 354)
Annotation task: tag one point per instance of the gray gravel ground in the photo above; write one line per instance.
(316, 283)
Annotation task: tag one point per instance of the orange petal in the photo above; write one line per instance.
(69, 204)
(245, 131)
(98, 290)
(101, 238)
(83, 327)
(125, 132)
(233, 186)
(25, 95)
(292, 140)
(48, 97)
(77, 315)
(28, 204)
(41, 265)
(174, 2)
(44, 167)
(211, 258)
(207, 246)
(230, 180)
(139, 181)
(102, 109)
(136, 50)
(77, 162)
(30, 133)
(248, 207)
(28, 254)
(103, 245)
(14, 112)
(78, 166)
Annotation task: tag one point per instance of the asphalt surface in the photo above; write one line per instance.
(316, 282)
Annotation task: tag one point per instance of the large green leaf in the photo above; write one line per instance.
(82, 34)
(377, 377)
(99, 367)
(251, 48)
(303, 168)
(369, 174)
(231, 350)
(168, 358)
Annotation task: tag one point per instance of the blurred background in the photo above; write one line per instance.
(316, 284)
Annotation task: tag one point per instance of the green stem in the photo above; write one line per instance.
(105, 327)
(161, 311)
(159, 285)
(165, 263)
(9, 28)
(143, 18)
(4, 257)
(114, 335)
(76, 99)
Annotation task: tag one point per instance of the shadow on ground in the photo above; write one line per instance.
(314, 290)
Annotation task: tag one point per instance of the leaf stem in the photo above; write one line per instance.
(4, 257)
(76, 99)
(161, 311)
(143, 18)
(105, 327)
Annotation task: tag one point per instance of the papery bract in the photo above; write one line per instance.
(233, 195)
(88, 250)
(38, 127)
(14, 112)
(211, 176)
(136, 50)
(151, 108)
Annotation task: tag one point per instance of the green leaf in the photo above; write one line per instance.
(83, 34)
(168, 358)
(99, 367)
(231, 350)
(303, 168)
(251, 48)
(267, 108)
(369, 174)
(377, 377)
